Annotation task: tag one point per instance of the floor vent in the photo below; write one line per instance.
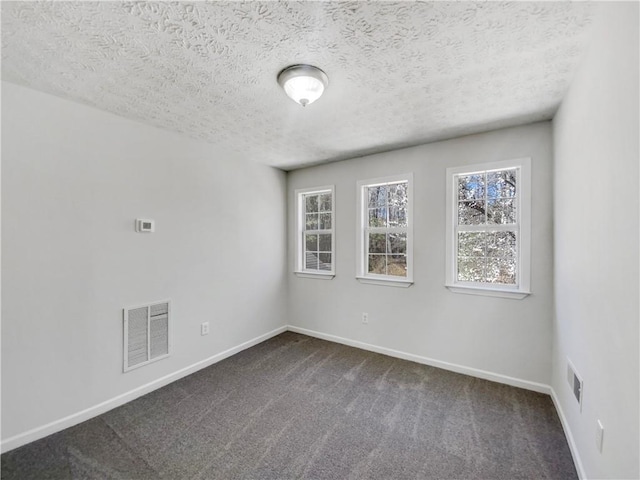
(146, 334)
(575, 382)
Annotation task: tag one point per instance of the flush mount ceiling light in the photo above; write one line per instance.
(303, 83)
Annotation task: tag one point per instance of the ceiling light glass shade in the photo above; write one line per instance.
(303, 83)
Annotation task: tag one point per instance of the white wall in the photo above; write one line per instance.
(503, 336)
(596, 246)
(73, 181)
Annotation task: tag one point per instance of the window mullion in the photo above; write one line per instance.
(498, 227)
(486, 199)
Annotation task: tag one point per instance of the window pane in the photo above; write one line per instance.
(471, 213)
(386, 212)
(325, 202)
(377, 217)
(397, 195)
(501, 184)
(311, 243)
(471, 187)
(471, 244)
(325, 221)
(501, 244)
(324, 242)
(317, 216)
(501, 211)
(325, 261)
(311, 203)
(311, 261)
(311, 222)
(397, 265)
(398, 243)
(377, 264)
(397, 217)
(471, 269)
(377, 196)
(487, 227)
(501, 270)
(377, 243)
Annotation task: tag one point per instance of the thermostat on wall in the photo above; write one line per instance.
(144, 225)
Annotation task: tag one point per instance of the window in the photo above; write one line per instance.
(315, 238)
(488, 228)
(385, 231)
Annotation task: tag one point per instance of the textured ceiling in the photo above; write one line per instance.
(400, 73)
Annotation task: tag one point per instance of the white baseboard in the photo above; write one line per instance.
(474, 372)
(71, 420)
(567, 433)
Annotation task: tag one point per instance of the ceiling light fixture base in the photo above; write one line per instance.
(304, 84)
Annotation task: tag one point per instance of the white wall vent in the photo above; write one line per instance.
(146, 334)
(575, 382)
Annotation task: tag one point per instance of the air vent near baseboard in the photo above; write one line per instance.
(575, 382)
(146, 334)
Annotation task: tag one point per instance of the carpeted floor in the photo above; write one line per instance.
(299, 407)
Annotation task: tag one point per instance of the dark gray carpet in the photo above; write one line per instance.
(298, 407)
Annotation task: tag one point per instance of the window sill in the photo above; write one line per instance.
(318, 276)
(385, 282)
(489, 292)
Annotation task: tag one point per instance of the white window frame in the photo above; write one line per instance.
(362, 232)
(300, 207)
(523, 228)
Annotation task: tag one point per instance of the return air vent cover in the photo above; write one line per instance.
(575, 382)
(146, 334)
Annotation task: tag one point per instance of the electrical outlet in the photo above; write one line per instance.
(204, 328)
(599, 436)
(365, 318)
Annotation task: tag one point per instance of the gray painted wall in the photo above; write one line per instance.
(596, 246)
(503, 336)
(73, 181)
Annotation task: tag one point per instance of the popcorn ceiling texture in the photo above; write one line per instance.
(400, 73)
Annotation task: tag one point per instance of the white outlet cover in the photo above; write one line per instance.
(599, 436)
